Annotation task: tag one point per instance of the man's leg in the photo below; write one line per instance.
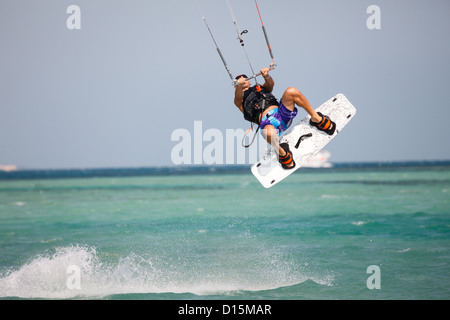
(271, 135)
(292, 96)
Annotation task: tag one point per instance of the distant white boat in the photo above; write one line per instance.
(8, 168)
(319, 160)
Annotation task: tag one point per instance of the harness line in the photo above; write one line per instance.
(239, 33)
(218, 50)
(265, 34)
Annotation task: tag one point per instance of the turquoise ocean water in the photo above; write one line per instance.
(220, 235)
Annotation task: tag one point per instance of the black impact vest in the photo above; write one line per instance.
(255, 102)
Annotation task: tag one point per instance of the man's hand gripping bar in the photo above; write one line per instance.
(271, 67)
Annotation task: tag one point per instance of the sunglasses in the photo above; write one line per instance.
(241, 76)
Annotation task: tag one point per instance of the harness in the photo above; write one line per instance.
(255, 104)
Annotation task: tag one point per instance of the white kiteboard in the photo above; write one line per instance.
(304, 141)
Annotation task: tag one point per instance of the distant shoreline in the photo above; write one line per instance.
(201, 170)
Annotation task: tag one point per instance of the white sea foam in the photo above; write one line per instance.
(47, 276)
(359, 223)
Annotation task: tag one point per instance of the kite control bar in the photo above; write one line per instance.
(272, 67)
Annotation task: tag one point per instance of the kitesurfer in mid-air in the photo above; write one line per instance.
(260, 106)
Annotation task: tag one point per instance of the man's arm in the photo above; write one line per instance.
(269, 83)
(239, 95)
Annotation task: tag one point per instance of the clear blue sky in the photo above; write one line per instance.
(112, 93)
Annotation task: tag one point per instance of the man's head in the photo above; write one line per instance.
(242, 78)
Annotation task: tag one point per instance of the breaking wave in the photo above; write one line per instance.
(78, 272)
